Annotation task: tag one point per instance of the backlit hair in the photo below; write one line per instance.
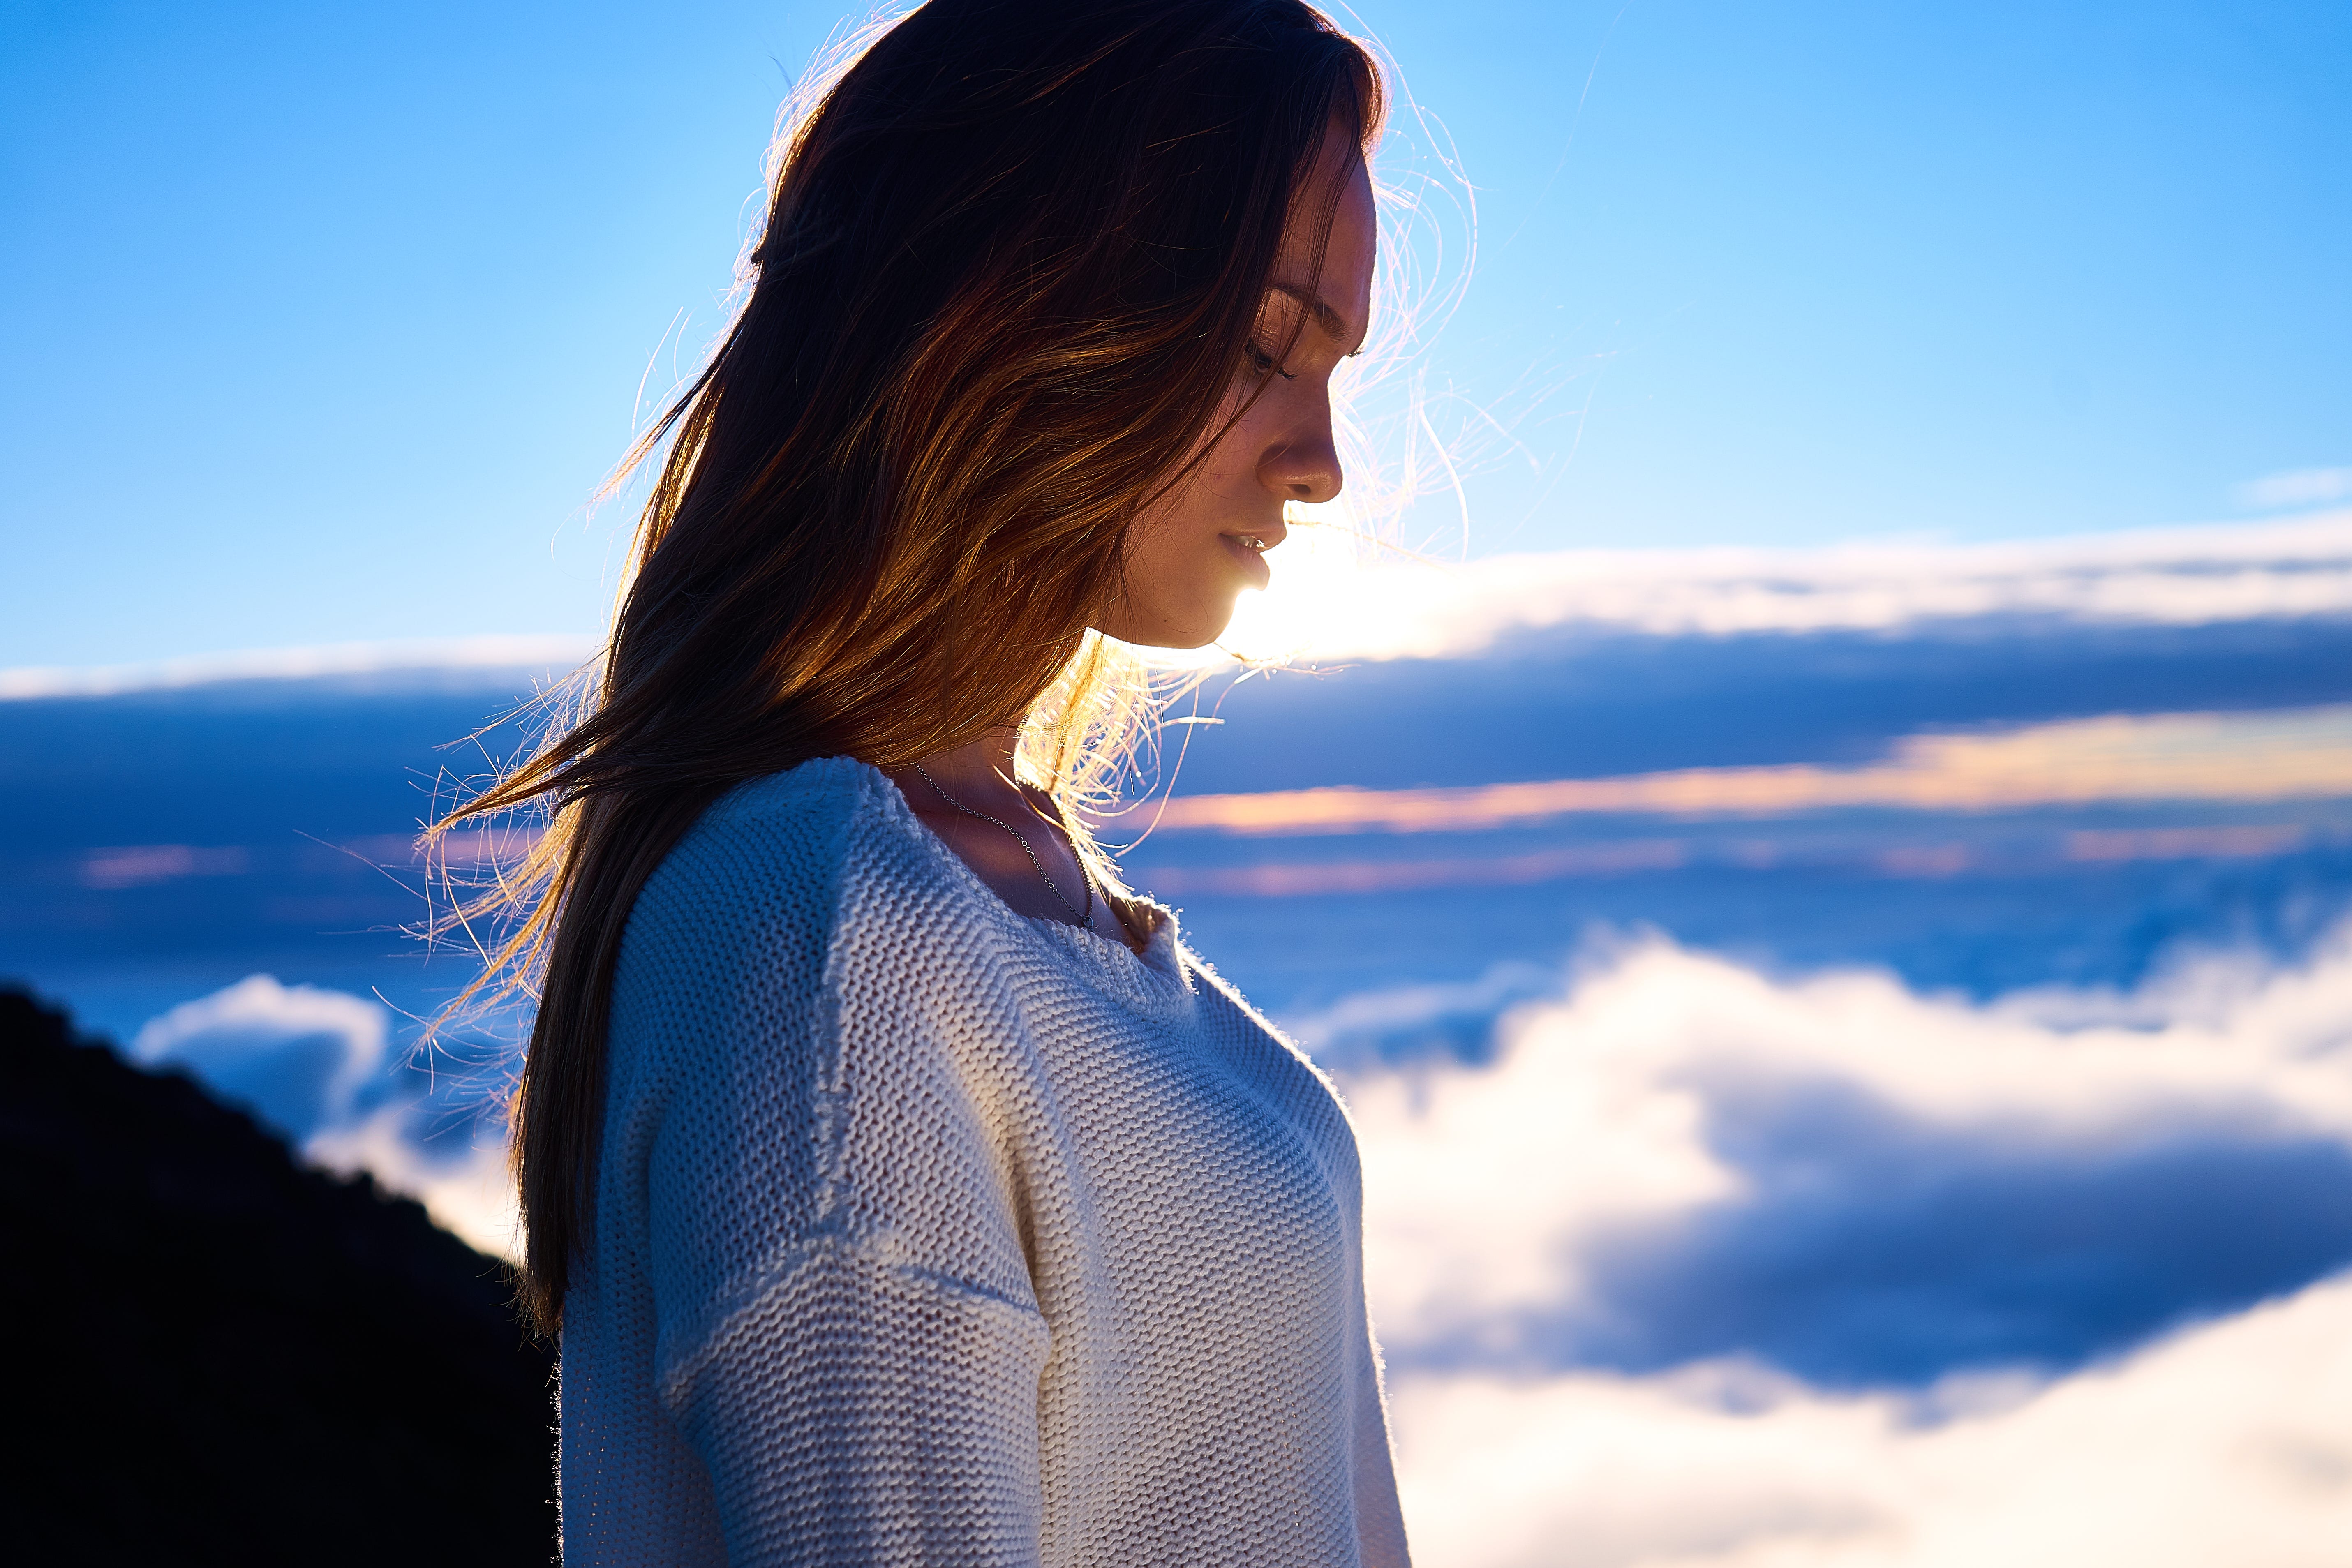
(1013, 258)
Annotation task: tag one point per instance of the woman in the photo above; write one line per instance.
(901, 1188)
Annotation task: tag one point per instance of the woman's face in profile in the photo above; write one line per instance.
(1192, 552)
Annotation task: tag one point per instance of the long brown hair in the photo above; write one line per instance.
(1011, 260)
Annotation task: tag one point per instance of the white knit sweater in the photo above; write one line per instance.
(926, 1233)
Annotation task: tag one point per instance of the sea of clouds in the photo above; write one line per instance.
(2227, 1443)
(1705, 1266)
(1679, 1258)
(1694, 1264)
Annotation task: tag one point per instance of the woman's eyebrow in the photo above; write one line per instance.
(1334, 325)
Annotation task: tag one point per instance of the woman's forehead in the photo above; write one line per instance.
(1338, 294)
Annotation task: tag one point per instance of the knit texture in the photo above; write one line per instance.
(926, 1233)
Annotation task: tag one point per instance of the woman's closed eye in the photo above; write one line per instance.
(1265, 364)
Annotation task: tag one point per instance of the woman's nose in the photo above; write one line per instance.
(1302, 469)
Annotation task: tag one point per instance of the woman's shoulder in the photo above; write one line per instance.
(784, 843)
(782, 882)
(821, 789)
(755, 895)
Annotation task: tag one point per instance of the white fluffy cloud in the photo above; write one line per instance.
(1605, 1113)
(1505, 1201)
(301, 1058)
(465, 1187)
(297, 1055)
(2230, 1444)
(2171, 577)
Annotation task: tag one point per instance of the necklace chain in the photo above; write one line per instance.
(1085, 917)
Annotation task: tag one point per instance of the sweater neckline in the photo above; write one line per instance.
(1154, 978)
(1159, 950)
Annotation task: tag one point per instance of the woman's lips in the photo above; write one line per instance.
(1253, 562)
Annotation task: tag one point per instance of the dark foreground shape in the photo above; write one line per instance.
(216, 1355)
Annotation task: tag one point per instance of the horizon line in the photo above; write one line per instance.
(1466, 605)
(482, 652)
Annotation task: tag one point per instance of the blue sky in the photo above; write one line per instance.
(325, 320)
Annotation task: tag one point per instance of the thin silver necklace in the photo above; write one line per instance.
(1085, 917)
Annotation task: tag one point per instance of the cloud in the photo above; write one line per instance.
(298, 1056)
(1278, 880)
(304, 1058)
(1453, 1019)
(2244, 842)
(142, 865)
(2230, 1443)
(463, 1182)
(1709, 1266)
(2171, 577)
(1868, 1246)
(514, 661)
(2300, 487)
(2264, 756)
(1682, 1159)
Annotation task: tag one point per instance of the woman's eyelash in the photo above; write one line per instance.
(1264, 361)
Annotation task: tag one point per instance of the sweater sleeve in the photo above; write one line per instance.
(847, 1335)
(1380, 1519)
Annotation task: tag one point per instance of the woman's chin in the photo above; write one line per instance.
(1210, 627)
(1178, 631)
(1174, 641)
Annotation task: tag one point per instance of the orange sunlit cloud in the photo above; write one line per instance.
(2298, 754)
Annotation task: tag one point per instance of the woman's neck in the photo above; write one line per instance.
(1011, 836)
(983, 769)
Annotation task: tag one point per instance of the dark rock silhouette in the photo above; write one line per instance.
(220, 1355)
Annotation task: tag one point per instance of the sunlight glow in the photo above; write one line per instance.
(1339, 594)
(1317, 598)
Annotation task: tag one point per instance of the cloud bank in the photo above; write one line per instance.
(1698, 1264)
(2297, 487)
(2227, 1444)
(2173, 576)
(1709, 1266)
(1325, 605)
(511, 661)
(1683, 1157)
(2303, 753)
(460, 1177)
